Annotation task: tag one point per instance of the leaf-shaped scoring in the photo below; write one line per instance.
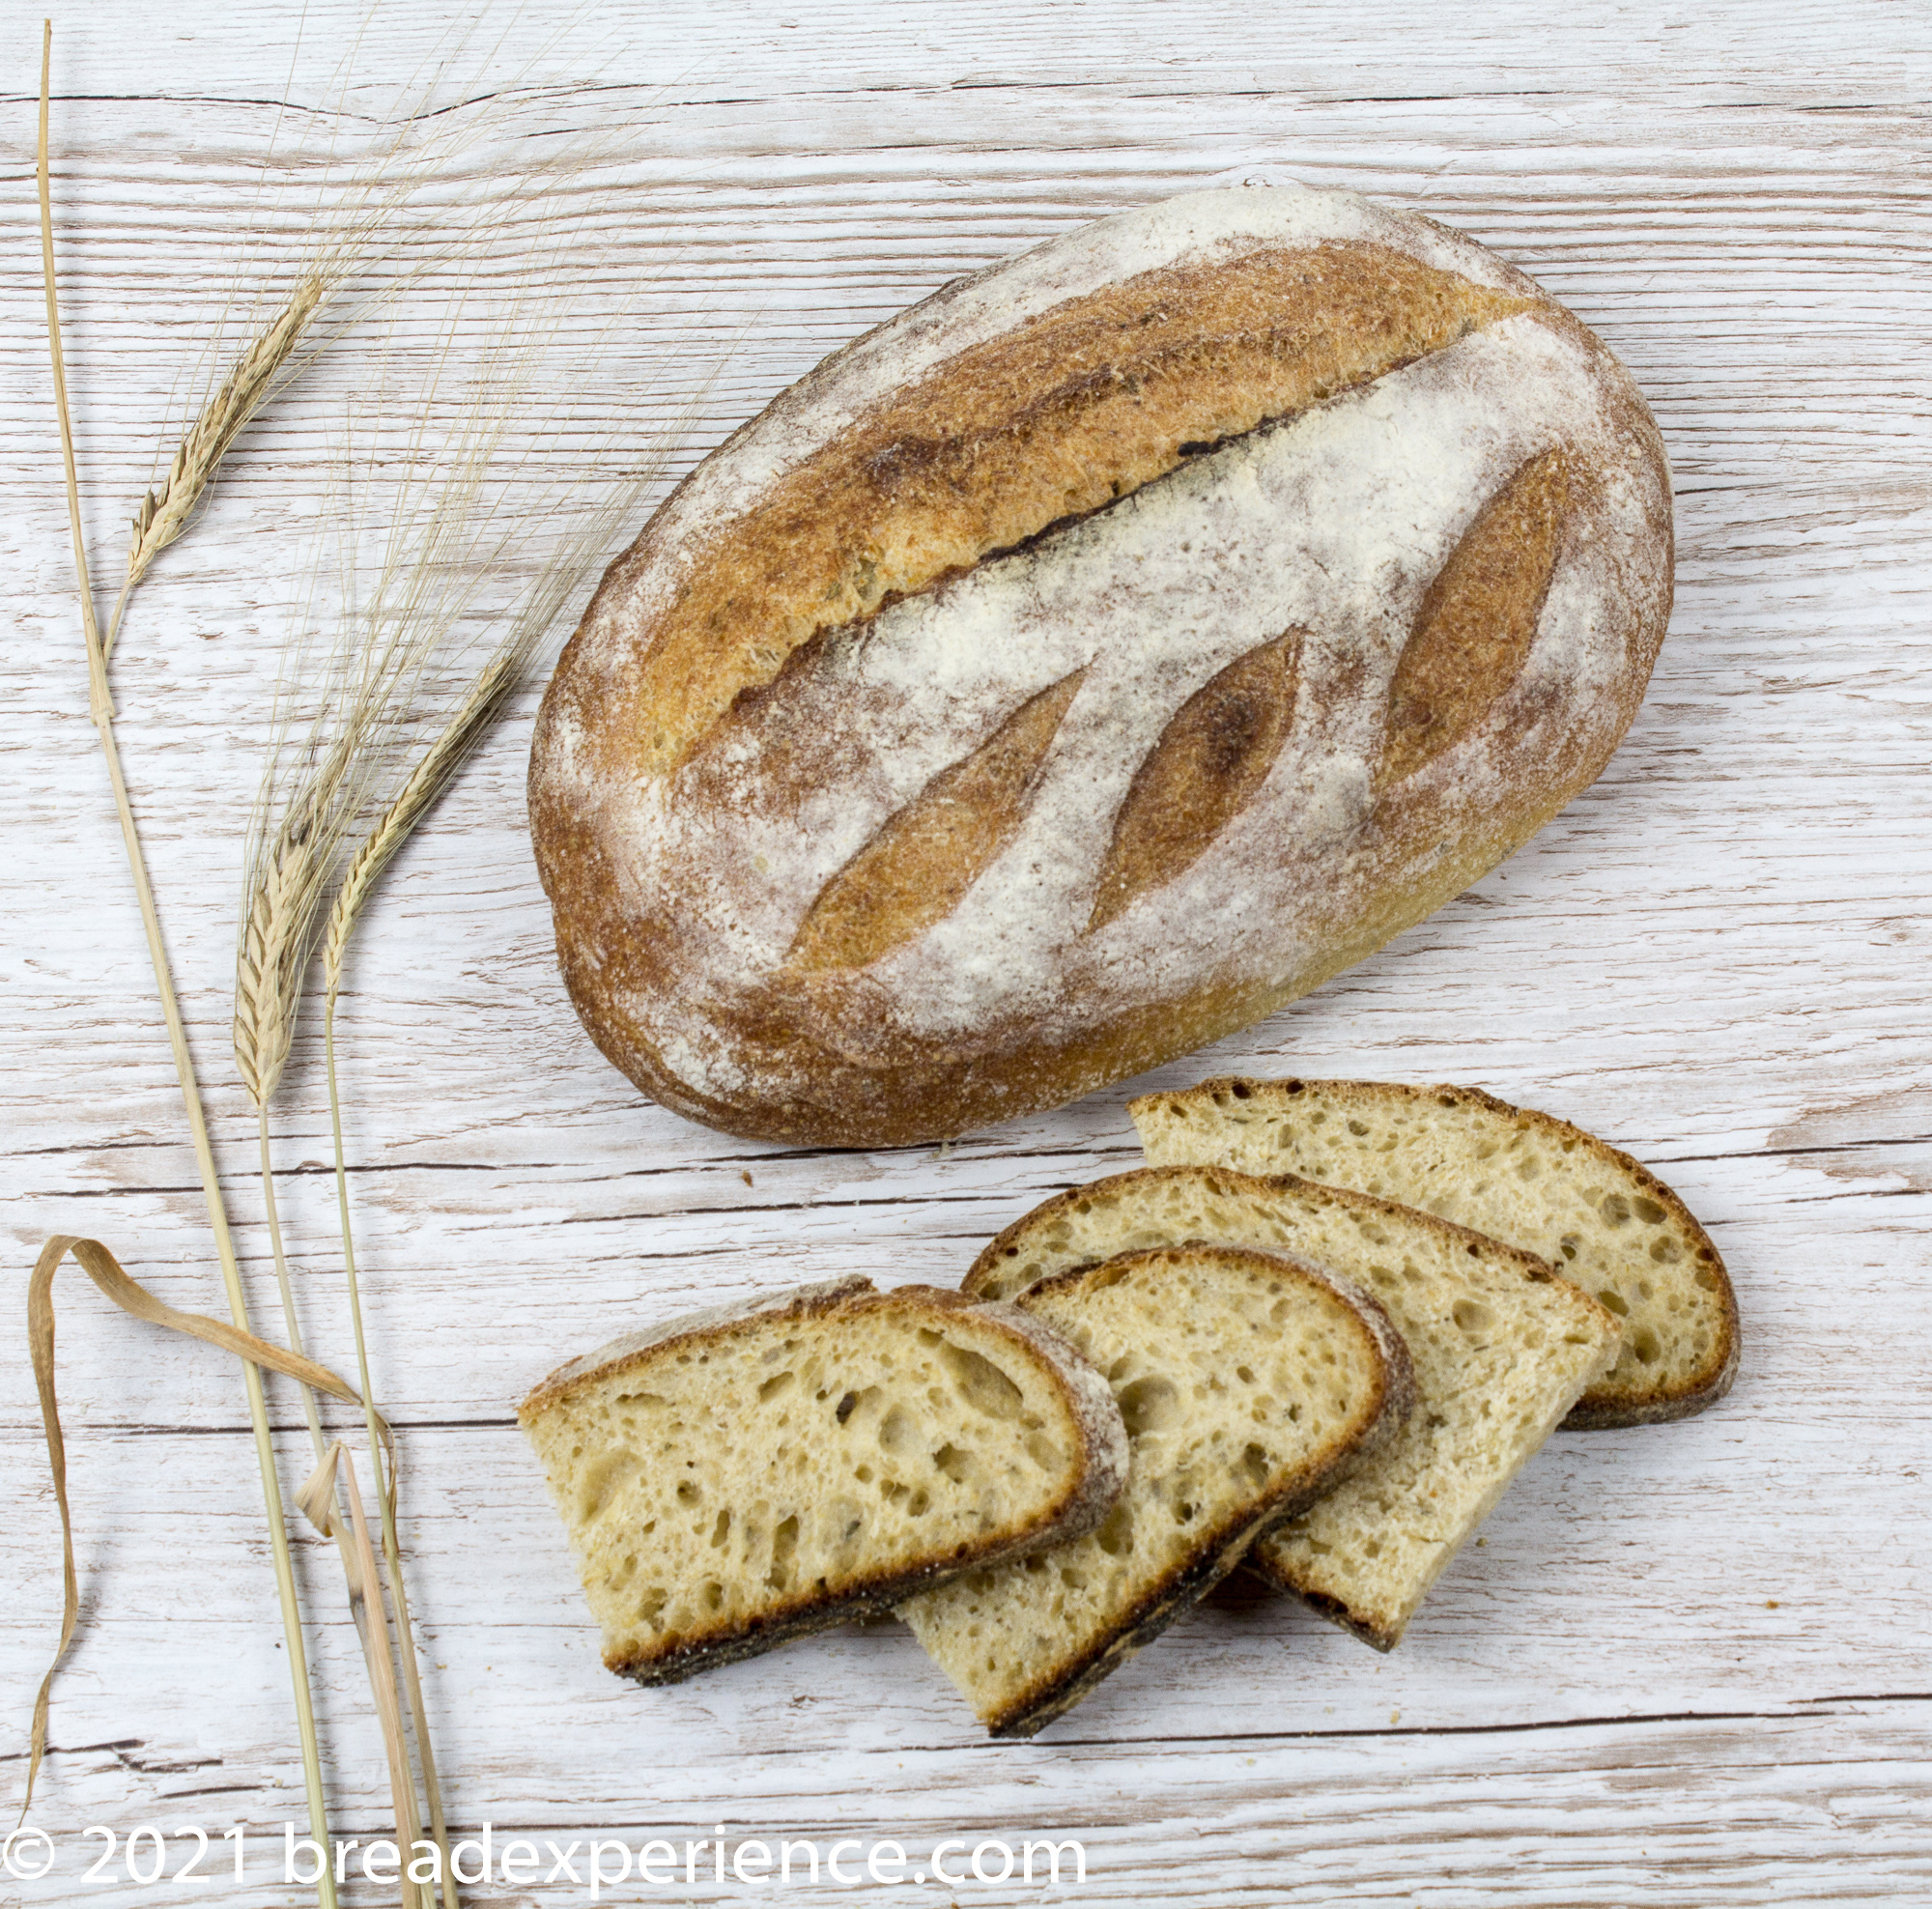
(1208, 766)
(916, 870)
(1478, 618)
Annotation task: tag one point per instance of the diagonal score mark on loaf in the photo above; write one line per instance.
(1081, 405)
(914, 872)
(1478, 619)
(1208, 766)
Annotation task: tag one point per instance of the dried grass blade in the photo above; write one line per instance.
(317, 1501)
(106, 1271)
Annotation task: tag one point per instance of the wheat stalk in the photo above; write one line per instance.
(101, 710)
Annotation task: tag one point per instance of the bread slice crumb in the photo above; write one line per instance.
(1250, 1383)
(1604, 1222)
(1501, 1348)
(741, 1476)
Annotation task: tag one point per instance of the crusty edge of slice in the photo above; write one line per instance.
(1395, 1398)
(797, 1301)
(1264, 1565)
(1480, 1245)
(1090, 1400)
(1593, 1411)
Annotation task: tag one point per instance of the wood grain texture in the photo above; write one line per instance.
(1689, 1664)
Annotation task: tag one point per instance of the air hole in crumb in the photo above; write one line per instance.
(1567, 1245)
(721, 1531)
(1666, 1251)
(1648, 1211)
(1615, 1209)
(1257, 1464)
(1044, 1452)
(1612, 1300)
(686, 1492)
(778, 1382)
(602, 1484)
(1472, 1316)
(1646, 1347)
(784, 1546)
(897, 1431)
(981, 1382)
(954, 1463)
(1148, 1404)
(1116, 1537)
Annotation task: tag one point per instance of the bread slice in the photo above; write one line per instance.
(1250, 1383)
(741, 1476)
(1500, 1345)
(1594, 1214)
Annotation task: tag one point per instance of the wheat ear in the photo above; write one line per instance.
(278, 931)
(413, 801)
(163, 515)
(101, 710)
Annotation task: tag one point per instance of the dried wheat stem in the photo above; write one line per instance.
(316, 1502)
(100, 705)
(162, 516)
(231, 1273)
(362, 1585)
(311, 1410)
(385, 1497)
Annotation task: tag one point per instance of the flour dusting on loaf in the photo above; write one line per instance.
(844, 881)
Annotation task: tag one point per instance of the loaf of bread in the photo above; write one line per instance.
(1500, 1346)
(1089, 660)
(1607, 1224)
(1251, 1383)
(738, 1477)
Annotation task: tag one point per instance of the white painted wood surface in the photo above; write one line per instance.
(1689, 1665)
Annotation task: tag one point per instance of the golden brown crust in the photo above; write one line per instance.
(983, 1280)
(1073, 411)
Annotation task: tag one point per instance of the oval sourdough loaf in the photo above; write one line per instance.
(1099, 654)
